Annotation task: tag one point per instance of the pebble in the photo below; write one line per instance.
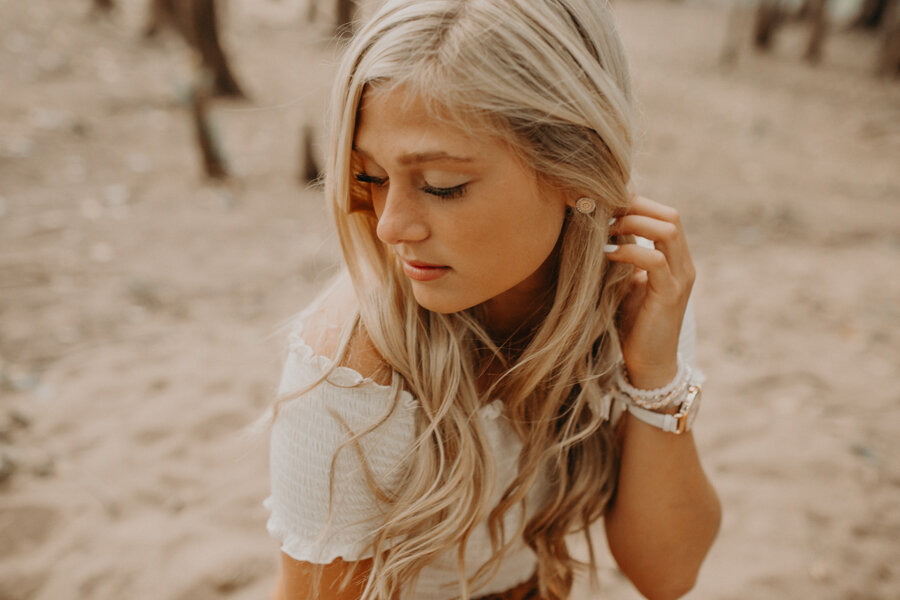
(13, 420)
(139, 163)
(76, 168)
(8, 465)
(116, 194)
(47, 119)
(819, 571)
(17, 43)
(20, 147)
(25, 382)
(91, 209)
(101, 252)
(44, 468)
(19, 419)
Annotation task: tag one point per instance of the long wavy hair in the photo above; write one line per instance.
(549, 78)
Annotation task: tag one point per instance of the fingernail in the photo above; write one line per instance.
(610, 248)
(612, 221)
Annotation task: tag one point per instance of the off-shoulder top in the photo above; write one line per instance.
(308, 431)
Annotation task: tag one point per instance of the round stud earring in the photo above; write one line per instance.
(585, 206)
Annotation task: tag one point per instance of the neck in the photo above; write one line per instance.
(513, 316)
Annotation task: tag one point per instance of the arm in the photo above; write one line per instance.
(278, 591)
(296, 580)
(666, 514)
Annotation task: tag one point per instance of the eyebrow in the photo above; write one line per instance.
(414, 158)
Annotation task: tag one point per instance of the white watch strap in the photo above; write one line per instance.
(663, 421)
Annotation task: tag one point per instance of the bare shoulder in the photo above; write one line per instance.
(334, 317)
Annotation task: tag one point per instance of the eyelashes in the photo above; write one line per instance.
(365, 178)
(450, 193)
(446, 193)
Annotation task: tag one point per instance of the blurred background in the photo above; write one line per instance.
(159, 221)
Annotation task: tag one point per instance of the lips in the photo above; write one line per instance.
(423, 265)
(418, 270)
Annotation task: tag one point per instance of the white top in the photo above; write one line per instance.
(309, 430)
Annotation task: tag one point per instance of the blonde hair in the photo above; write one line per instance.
(549, 78)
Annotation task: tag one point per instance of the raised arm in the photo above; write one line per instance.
(666, 514)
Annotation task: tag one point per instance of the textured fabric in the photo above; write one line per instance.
(308, 432)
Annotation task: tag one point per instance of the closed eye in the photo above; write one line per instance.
(366, 178)
(450, 193)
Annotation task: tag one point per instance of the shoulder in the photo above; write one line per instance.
(336, 431)
(330, 327)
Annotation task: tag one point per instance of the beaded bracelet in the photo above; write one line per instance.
(656, 399)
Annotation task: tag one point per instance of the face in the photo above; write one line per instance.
(469, 221)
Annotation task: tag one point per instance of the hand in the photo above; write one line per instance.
(650, 317)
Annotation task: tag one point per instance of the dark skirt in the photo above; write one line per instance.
(524, 591)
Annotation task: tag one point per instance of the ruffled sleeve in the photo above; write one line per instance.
(306, 435)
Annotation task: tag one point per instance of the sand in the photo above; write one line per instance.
(140, 305)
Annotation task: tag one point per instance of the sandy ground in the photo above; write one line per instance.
(140, 305)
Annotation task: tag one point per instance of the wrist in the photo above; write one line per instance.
(667, 392)
(650, 379)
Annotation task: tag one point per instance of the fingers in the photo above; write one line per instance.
(653, 262)
(659, 231)
(645, 206)
(669, 267)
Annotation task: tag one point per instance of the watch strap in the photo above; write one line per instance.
(676, 423)
(664, 421)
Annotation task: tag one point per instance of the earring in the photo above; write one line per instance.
(585, 206)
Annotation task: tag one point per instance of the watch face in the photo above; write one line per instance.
(694, 408)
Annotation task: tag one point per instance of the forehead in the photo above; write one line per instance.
(395, 120)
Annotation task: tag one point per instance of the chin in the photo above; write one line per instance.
(440, 303)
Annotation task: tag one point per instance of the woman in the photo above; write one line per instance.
(500, 365)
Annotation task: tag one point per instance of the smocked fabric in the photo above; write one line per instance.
(309, 431)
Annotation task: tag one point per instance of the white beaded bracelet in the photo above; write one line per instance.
(668, 395)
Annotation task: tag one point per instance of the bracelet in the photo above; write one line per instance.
(656, 399)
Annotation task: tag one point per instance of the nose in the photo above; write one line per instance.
(400, 218)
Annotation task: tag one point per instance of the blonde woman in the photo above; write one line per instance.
(501, 364)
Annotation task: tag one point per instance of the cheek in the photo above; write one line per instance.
(514, 243)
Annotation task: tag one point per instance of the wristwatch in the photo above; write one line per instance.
(678, 423)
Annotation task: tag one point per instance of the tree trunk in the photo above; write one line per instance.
(197, 23)
(768, 17)
(309, 168)
(734, 28)
(205, 34)
(210, 149)
(817, 33)
(345, 10)
(160, 13)
(870, 14)
(889, 54)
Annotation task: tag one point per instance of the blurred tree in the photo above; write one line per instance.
(889, 55)
(346, 10)
(815, 13)
(344, 15)
(871, 13)
(309, 167)
(103, 5)
(207, 141)
(197, 23)
(769, 15)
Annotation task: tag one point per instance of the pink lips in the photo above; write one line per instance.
(420, 271)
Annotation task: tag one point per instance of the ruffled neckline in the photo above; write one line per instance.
(343, 376)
